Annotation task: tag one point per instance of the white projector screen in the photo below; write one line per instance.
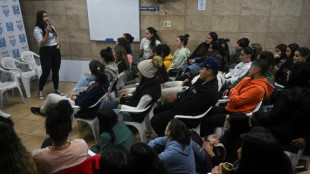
(112, 18)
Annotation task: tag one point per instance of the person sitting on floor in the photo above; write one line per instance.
(113, 133)
(83, 99)
(61, 154)
(175, 148)
(195, 100)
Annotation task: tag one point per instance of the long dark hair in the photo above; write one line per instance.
(293, 48)
(146, 160)
(299, 75)
(107, 119)
(200, 52)
(214, 36)
(268, 57)
(282, 48)
(305, 52)
(14, 158)
(179, 132)
(154, 37)
(107, 55)
(123, 42)
(261, 152)
(97, 69)
(121, 55)
(115, 161)
(58, 123)
(129, 38)
(40, 23)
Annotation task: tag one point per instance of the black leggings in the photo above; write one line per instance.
(50, 60)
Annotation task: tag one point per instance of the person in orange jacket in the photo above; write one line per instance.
(243, 98)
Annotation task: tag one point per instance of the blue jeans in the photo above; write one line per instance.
(84, 81)
(113, 105)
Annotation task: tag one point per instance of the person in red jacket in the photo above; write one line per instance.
(243, 98)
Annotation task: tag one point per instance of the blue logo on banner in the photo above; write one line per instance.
(20, 27)
(9, 26)
(5, 54)
(5, 10)
(1, 30)
(2, 42)
(15, 9)
(22, 38)
(12, 40)
(15, 53)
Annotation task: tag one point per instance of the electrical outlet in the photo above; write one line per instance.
(167, 23)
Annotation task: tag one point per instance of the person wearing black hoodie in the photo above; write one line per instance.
(289, 119)
(195, 100)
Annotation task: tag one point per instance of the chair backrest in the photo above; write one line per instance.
(90, 165)
(8, 63)
(294, 157)
(28, 56)
(121, 80)
(100, 100)
(7, 76)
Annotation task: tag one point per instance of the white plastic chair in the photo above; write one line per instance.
(141, 127)
(10, 64)
(7, 85)
(197, 129)
(219, 131)
(307, 159)
(294, 157)
(93, 123)
(29, 57)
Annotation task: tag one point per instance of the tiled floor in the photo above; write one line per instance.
(30, 128)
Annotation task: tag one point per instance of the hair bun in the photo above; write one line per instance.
(186, 36)
(157, 61)
(109, 49)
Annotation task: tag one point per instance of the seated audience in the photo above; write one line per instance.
(111, 70)
(235, 55)
(243, 98)
(224, 43)
(113, 133)
(123, 42)
(147, 92)
(121, 58)
(302, 54)
(116, 161)
(150, 41)
(279, 55)
(195, 100)
(14, 158)
(260, 153)
(286, 64)
(257, 47)
(182, 53)
(83, 99)
(241, 68)
(289, 118)
(130, 39)
(166, 55)
(237, 124)
(62, 154)
(146, 160)
(175, 148)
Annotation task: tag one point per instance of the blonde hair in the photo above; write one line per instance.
(157, 61)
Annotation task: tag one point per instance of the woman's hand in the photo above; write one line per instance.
(209, 148)
(86, 73)
(299, 142)
(119, 106)
(226, 92)
(276, 56)
(74, 96)
(218, 169)
(48, 28)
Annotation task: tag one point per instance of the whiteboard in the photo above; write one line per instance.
(113, 18)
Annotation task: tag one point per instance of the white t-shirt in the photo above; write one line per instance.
(237, 72)
(145, 45)
(38, 34)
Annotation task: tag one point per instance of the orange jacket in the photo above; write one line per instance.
(167, 61)
(247, 94)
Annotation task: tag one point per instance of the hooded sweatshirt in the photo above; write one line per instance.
(247, 94)
(179, 56)
(167, 61)
(179, 159)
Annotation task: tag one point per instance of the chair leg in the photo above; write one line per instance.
(1, 100)
(26, 84)
(307, 163)
(94, 129)
(21, 94)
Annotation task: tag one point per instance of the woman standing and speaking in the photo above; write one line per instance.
(50, 57)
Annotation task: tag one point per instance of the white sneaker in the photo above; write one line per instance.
(41, 95)
(5, 115)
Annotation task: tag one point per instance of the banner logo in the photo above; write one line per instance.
(12, 40)
(5, 10)
(9, 26)
(22, 38)
(15, 53)
(2, 42)
(15, 9)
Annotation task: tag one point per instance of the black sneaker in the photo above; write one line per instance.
(58, 92)
(36, 111)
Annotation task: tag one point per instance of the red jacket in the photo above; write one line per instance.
(90, 165)
(247, 94)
